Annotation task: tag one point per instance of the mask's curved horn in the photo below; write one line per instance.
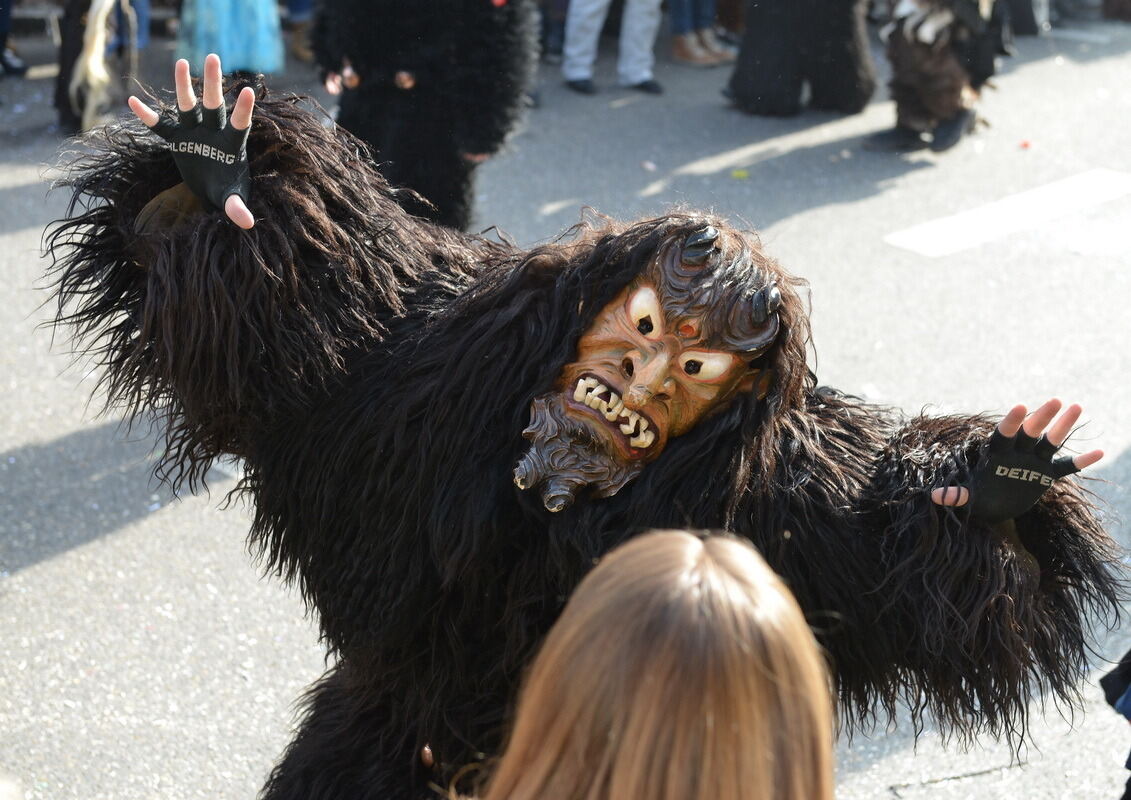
(766, 302)
(699, 246)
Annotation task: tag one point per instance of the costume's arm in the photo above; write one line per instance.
(961, 619)
(220, 330)
(995, 598)
(494, 61)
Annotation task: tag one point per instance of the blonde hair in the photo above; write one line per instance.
(681, 669)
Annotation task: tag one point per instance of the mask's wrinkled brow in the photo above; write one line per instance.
(733, 302)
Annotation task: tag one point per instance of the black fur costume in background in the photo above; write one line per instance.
(472, 62)
(823, 43)
(375, 372)
(931, 82)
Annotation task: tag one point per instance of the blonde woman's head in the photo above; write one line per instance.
(681, 669)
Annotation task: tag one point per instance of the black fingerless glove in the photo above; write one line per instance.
(1013, 473)
(210, 153)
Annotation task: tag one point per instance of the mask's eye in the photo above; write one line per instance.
(704, 366)
(644, 313)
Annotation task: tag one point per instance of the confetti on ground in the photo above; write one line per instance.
(740, 174)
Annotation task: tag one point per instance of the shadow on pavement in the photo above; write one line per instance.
(62, 494)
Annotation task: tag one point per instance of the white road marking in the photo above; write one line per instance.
(1079, 36)
(555, 206)
(1024, 210)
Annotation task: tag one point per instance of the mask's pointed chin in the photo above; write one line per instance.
(564, 458)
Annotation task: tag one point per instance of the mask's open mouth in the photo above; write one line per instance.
(632, 429)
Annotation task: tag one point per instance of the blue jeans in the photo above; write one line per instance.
(141, 14)
(5, 20)
(300, 10)
(692, 15)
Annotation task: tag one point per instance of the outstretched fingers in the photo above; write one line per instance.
(1036, 422)
(238, 212)
(213, 82)
(241, 111)
(951, 496)
(240, 121)
(229, 140)
(1064, 424)
(1087, 459)
(186, 97)
(1011, 422)
(147, 115)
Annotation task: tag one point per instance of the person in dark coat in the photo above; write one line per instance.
(788, 45)
(433, 88)
(443, 433)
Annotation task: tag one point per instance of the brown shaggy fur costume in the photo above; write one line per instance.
(931, 82)
(375, 372)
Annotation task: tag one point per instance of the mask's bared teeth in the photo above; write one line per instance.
(582, 388)
(643, 439)
(643, 424)
(628, 427)
(593, 399)
(615, 406)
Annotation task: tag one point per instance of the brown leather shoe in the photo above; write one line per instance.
(299, 42)
(687, 50)
(713, 46)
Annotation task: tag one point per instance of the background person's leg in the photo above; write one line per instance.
(686, 47)
(637, 38)
(583, 28)
(300, 18)
(10, 63)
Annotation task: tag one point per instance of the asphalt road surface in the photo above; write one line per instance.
(143, 654)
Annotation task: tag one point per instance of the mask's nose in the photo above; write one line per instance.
(650, 378)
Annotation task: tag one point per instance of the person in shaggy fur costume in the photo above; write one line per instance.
(442, 434)
(433, 88)
(822, 43)
(942, 52)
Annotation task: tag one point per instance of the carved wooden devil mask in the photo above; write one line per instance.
(675, 345)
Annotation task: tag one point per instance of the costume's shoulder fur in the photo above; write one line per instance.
(218, 330)
(433, 418)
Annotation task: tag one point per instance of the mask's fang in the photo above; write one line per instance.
(766, 302)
